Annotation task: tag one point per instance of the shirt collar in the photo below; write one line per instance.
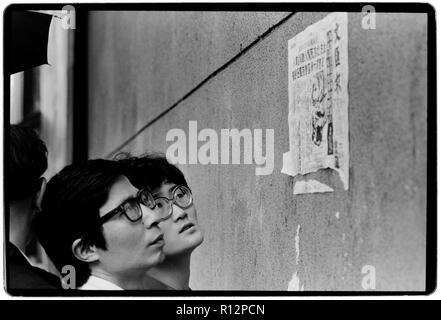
(96, 283)
(22, 253)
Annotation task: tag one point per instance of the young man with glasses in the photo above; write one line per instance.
(182, 233)
(94, 220)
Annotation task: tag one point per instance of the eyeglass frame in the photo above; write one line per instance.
(107, 216)
(110, 214)
(120, 209)
(173, 200)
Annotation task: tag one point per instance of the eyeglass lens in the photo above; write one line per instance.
(132, 208)
(181, 196)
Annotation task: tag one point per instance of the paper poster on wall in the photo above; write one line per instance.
(318, 102)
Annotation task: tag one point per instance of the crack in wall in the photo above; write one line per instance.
(197, 87)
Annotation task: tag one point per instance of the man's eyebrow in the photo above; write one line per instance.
(129, 197)
(159, 194)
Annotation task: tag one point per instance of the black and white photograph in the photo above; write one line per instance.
(235, 149)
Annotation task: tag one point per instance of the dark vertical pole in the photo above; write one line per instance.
(6, 124)
(431, 188)
(80, 127)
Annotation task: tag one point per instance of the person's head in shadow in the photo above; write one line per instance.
(25, 187)
(95, 222)
(27, 163)
(182, 233)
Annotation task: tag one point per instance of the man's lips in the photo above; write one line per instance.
(186, 226)
(158, 240)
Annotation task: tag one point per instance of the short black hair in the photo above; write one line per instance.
(70, 211)
(150, 170)
(27, 162)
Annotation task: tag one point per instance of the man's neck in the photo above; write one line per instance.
(19, 231)
(126, 282)
(174, 272)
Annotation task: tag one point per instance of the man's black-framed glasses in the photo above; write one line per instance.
(181, 196)
(131, 208)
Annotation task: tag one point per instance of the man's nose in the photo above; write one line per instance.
(149, 217)
(178, 212)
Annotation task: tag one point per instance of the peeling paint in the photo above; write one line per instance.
(294, 284)
(260, 215)
(297, 244)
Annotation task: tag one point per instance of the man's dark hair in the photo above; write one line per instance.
(27, 162)
(70, 211)
(150, 170)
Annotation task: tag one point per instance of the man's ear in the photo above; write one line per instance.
(39, 195)
(84, 252)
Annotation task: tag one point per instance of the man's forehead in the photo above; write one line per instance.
(120, 191)
(166, 188)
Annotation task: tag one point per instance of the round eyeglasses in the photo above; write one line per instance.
(181, 196)
(131, 208)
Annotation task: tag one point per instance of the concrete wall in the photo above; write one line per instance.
(258, 235)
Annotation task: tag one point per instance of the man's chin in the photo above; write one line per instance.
(156, 258)
(191, 244)
(161, 257)
(198, 238)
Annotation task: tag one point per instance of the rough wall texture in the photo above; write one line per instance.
(258, 235)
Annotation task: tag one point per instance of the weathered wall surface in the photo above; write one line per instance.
(258, 235)
(149, 61)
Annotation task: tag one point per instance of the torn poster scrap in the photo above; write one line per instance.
(311, 186)
(302, 186)
(318, 100)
